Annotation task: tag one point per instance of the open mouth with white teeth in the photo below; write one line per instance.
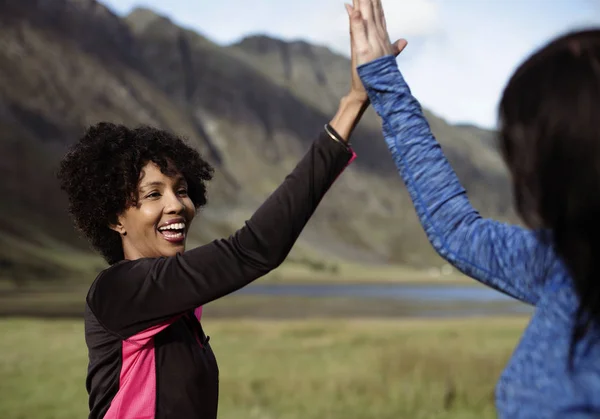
(173, 232)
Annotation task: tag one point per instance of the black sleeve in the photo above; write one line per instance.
(132, 296)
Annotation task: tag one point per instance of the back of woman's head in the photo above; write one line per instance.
(101, 173)
(550, 137)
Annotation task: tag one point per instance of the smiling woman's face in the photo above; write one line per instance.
(158, 225)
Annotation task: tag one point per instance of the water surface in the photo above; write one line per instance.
(419, 300)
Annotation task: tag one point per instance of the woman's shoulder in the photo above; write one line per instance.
(111, 276)
(558, 284)
(125, 267)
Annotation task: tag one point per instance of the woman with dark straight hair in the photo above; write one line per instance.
(550, 139)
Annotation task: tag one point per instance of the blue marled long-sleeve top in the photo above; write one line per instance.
(537, 382)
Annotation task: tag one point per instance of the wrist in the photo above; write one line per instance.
(350, 111)
(355, 99)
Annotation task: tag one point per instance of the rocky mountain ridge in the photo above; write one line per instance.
(251, 108)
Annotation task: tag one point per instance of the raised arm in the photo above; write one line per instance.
(147, 294)
(505, 257)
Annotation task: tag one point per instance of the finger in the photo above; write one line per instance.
(349, 10)
(358, 31)
(379, 16)
(366, 9)
(399, 46)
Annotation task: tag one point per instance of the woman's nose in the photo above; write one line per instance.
(174, 204)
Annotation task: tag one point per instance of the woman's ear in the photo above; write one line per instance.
(118, 227)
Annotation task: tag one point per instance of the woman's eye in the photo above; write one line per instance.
(183, 191)
(153, 195)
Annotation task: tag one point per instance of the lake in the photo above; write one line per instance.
(419, 300)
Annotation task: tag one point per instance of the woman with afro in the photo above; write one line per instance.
(134, 193)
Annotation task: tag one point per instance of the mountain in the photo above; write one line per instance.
(251, 108)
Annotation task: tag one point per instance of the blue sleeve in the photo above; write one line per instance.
(505, 257)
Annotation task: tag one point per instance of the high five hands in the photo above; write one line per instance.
(369, 40)
(368, 32)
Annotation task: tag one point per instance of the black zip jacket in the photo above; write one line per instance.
(148, 355)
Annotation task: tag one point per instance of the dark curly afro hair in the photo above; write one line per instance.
(101, 172)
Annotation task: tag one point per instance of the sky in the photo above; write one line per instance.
(460, 53)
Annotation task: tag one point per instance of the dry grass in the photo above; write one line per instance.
(306, 369)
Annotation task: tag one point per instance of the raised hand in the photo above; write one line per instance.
(367, 26)
(368, 32)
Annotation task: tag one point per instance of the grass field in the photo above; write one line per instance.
(309, 369)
